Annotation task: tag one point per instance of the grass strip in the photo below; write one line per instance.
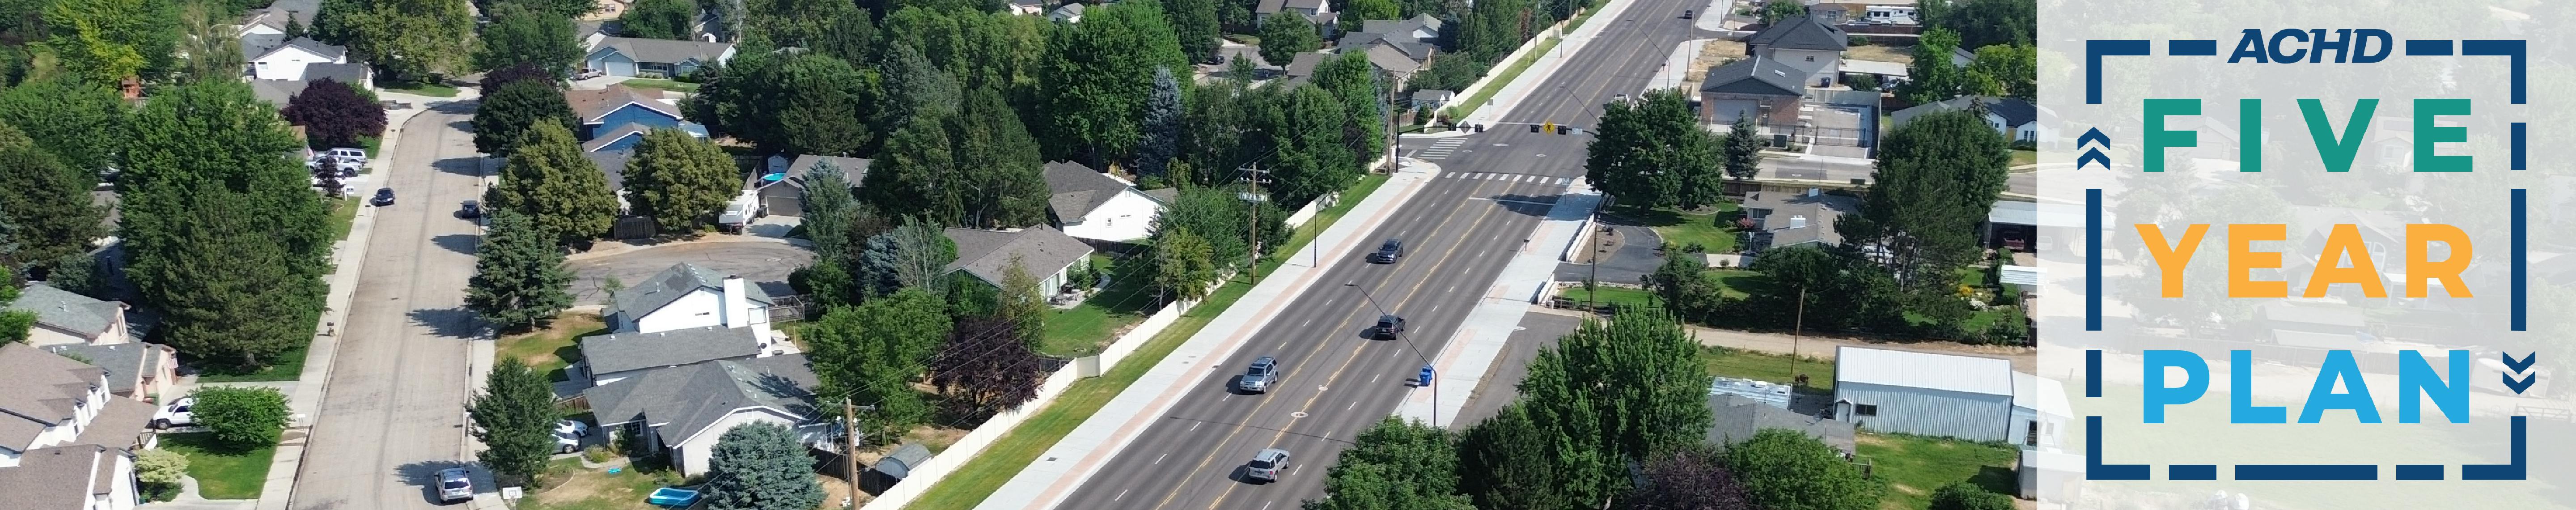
(1509, 73)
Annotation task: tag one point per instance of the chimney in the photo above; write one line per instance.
(1798, 222)
(737, 309)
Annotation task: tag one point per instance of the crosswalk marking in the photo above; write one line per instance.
(1494, 176)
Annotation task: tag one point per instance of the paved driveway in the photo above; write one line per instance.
(1635, 256)
(763, 262)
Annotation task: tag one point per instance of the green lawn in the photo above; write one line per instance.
(1611, 296)
(1082, 330)
(222, 471)
(660, 84)
(1763, 366)
(551, 349)
(431, 89)
(572, 487)
(1509, 73)
(2022, 157)
(344, 215)
(289, 365)
(981, 475)
(1714, 232)
(1914, 466)
(1738, 283)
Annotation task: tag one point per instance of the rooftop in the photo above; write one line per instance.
(39, 390)
(632, 351)
(1736, 418)
(121, 361)
(1799, 33)
(664, 50)
(1756, 76)
(591, 104)
(1042, 249)
(65, 310)
(61, 477)
(674, 283)
(685, 400)
(1078, 189)
(1911, 369)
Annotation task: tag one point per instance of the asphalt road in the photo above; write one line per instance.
(397, 395)
(1459, 232)
(1502, 384)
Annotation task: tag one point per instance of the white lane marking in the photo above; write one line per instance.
(1283, 344)
(1356, 404)
(1228, 396)
(1158, 459)
(1309, 322)
(1434, 309)
(1194, 427)
(1372, 379)
(1265, 505)
(1450, 174)
(1328, 434)
(1121, 495)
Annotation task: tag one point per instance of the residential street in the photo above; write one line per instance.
(394, 410)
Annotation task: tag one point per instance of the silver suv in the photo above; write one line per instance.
(453, 486)
(1258, 378)
(1266, 464)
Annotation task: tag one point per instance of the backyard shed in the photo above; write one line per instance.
(1931, 394)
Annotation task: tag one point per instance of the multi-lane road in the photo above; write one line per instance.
(394, 411)
(1492, 192)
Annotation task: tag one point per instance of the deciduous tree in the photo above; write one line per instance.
(222, 229)
(1002, 183)
(1194, 22)
(334, 115)
(873, 352)
(508, 112)
(1690, 478)
(1653, 153)
(986, 368)
(48, 202)
(679, 180)
(514, 418)
(521, 33)
(107, 41)
(211, 44)
(760, 466)
(247, 417)
(1509, 462)
(519, 277)
(793, 103)
(1183, 266)
(909, 256)
(1937, 177)
(84, 123)
(1395, 465)
(659, 19)
(1783, 469)
(1101, 74)
(410, 41)
(1627, 389)
(563, 193)
(1774, 11)
(1967, 496)
(1023, 303)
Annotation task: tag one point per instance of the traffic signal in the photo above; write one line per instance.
(1564, 130)
(1533, 128)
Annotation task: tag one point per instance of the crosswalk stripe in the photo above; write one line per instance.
(1562, 180)
(1450, 174)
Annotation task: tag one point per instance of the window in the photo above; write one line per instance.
(1811, 58)
(1864, 409)
(2031, 438)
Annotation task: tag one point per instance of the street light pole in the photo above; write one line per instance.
(1408, 344)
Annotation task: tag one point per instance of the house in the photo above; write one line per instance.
(1091, 205)
(590, 33)
(1028, 7)
(1736, 418)
(274, 18)
(1319, 12)
(279, 92)
(607, 358)
(1399, 68)
(625, 137)
(1432, 99)
(2017, 119)
(65, 443)
(602, 10)
(135, 370)
(1757, 86)
(287, 59)
(1417, 38)
(687, 296)
(612, 163)
(1068, 13)
(1301, 68)
(653, 58)
(1931, 394)
(684, 409)
(1805, 43)
(784, 195)
(2040, 412)
(66, 318)
(1045, 253)
(611, 109)
(1794, 219)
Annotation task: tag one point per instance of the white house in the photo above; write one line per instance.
(287, 60)
(64, 442)
(685, 409)
(1924, 393)
(1098, 206)
(1045, 253)
(688, 296)
(1804, 43)
(653, 58)
(2040, 412)
(2015, 118)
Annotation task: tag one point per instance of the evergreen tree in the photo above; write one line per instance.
(1653, 153)
(1395, 465)
(1283, 36)
(680, 180)
(1003, 182)
(910, 256)
(223, 231)
(915, 174)
(1162, 127)
(760, 466)
(335, 115)
(1194, 21)
(514, 418)
(564, 194)
(1783, 469)
(829, 211)
(659, 19)
(1743, 149)
(83, 123)
(506, 114)
(48, 202)
(521, 34)
(916, 90)
(519, 277)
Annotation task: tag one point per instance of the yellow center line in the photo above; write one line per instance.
(1319, 346)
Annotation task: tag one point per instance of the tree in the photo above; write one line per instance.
(1353, 82)
(82, 122)
(829, 212)
(1183, 268)
(1285, 36)
(986, 367)
(1653, 153)
(909, 256)
(759, 466)
(1782, 469)
(1842, 289)
(1937, 175)
(48, 202)
(410, 40)
(1982, 23)
(1933, 78)
(1395, 465)
(794, 103)
(1194, 23)
(1744, 149)
(1023, 303)
(78, 273)
(1683, 285)
(1221, 213)
(522, 34)
(334, 115)
(680, 180)
(566, 9)
(1776, 10)
(1628, 388)
(873, 352)
(2013, 67)
(212, 46)
(1161, 139)
(160, 467)
(107, 41)
(497, 78)
(1690, 478)
(660, 19)
(1001, 181)
(514, 417)
(519, 277)
(1100, 74)
(15, 325)
(1362, 10)
(248, 417)
(1510, 462)
(222, 228)
(916, 90)
(1313, 156)
(912, 174)
(507, 113)
(563, 193)
(1967, 496)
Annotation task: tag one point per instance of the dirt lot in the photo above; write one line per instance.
(1712, 54)
(1901, 55)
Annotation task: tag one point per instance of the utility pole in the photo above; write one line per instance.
(850, 459)
(1798, 331)
(1253, 235)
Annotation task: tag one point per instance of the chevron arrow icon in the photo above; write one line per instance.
(2517, 385)
(2519, 366)
(2091, 157)
(2093, 136)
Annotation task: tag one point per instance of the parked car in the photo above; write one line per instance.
(344, 153)
(1388, 253)
(1389, 325)
(1257, 379)
(384, 197)
(176, 414)
(470, 210)
(1266, 464)
(1686, 14)
(453, 486)
(574, 428)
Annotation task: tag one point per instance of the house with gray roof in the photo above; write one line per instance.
(273, 19)
(1398, 66)
(608, 358)
(135, 370)
(1417, 38)
(688, 296)
(782, 189)
(66, 318)
(653, 58)
(684, 409)
(612, 110)
(65, 443)
(1092, 205)
(1319, 12)
(1044, 252)
(2015, 118)
(286, 60)
(1805, 43)
(1301, 68)
(1793, 219)
(1760, 87)
(1737, 418)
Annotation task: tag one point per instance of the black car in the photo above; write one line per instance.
(1686, 14)
(470, 210)
(384, 197)
(1388, 326)
(1388, 253)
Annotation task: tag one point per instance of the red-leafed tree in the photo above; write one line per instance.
(1689, 478)
(334, 114)
(985, 368)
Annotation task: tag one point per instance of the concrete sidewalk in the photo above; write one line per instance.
(1463, 362)
(1069, 463)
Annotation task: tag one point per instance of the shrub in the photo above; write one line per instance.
(1966, 496)
(245, 417)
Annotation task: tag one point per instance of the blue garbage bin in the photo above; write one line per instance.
(1425, 377)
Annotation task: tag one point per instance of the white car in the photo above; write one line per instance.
(568, 434)
(176, 414)
(346, 154)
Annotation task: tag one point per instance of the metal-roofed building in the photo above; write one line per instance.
(1932, 394)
